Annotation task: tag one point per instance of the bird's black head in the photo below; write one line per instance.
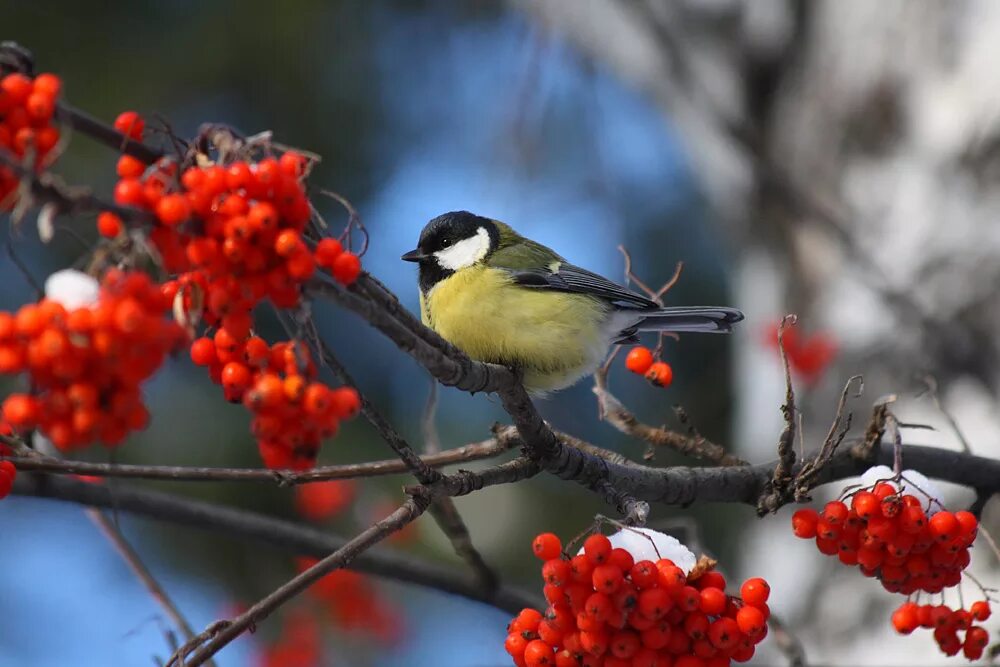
(452, 242)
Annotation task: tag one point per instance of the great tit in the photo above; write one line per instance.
(505, 299)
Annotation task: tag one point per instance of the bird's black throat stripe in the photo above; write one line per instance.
(431, 273)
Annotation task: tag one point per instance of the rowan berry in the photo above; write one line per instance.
(346, 402)
(129, 192)
(865, 504)
(109, 225)
(47, 84)
(607, 578)
(130, 124)
(980, 610)
(327, 251)
(622, 559)
(639, 359)
(236, 376)
(21, 411)
(804, 523)
(346, 268)
(556, 572)
(17, 87)
(713, 601)
(598, 548)
(547, 546)
(644, 574)
(711, 579)
(835, 513)
(660, 374)
(515, 644)
(977, 636)
(944, 526)
(671, 577)
(755, 591)
(688, 598)
(912, 519)
(172, 210)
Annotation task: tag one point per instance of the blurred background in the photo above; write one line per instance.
(835, 159)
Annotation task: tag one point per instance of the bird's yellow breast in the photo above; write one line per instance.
(554, 337)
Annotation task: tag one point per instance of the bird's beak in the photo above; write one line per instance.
(414, 256)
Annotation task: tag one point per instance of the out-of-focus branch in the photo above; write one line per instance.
(222, 633)
(772, 499)
(423, 472)
(442, 508)
(278, 533)
(138, 567)
(68, 200)
(89, 126)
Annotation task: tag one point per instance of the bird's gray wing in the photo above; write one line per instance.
(565, 277)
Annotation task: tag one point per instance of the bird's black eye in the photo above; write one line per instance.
(445, 242)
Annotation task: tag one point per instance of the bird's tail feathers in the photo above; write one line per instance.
(681, 319)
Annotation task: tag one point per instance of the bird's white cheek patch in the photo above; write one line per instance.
(466, 252)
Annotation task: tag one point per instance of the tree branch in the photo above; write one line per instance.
(230, 630)
(506, 438)
(625, 421)
(278, 533)
(442, 508)
(142, 573)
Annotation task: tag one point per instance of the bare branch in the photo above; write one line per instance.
(771, 500)
(281, 534)
(89, 126)
(932, 390)
(138, 567)
(506, 439)
(227, 631)
(696, 446)
(428, 424)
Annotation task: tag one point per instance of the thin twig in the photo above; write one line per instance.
(138, 567)
(229, 630)
(91, 127)
(696, 446)
(353, 220)
(932, 390)
(838, 431)
(428, 424)
(788, 643)
(442, 508)
(782, 478)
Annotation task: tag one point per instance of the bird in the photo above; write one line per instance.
(505, 299)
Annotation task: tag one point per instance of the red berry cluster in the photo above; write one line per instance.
(318, 501)
(946, 624)
(891, 536)
(299, 645)
(233, 236)
(26, 110)
(86, 365)
(608, 611)
(293, 412)
(235, 231)
(641, 360)
(354, 603)
(809, 356)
